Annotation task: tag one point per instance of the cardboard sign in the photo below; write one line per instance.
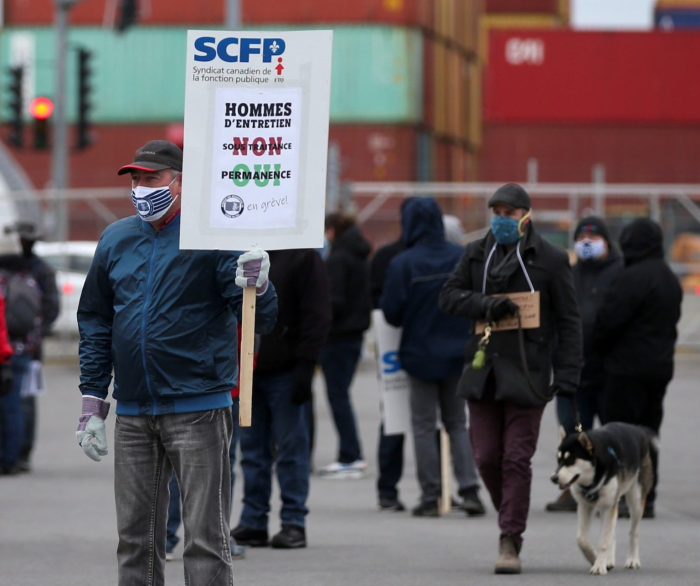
(529, 304)
(393, 381)
(256, 139)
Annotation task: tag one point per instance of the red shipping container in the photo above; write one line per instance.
(568, 153)
(588, 77)
(370, 152)
(525, 6)
(104, 12)
(398, 12)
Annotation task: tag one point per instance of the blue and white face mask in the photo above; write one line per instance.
(152, 203)
(590, 249)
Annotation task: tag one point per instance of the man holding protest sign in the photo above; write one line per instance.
(166, 321)
(508, 373)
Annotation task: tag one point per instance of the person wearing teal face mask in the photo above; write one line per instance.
(522, 368)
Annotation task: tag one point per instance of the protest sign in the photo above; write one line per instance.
(393, 380)
(256, 139)
(255, 147)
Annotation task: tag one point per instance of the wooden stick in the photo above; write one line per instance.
(445, 473)
(245, 382)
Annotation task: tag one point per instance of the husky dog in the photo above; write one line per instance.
(600, 466)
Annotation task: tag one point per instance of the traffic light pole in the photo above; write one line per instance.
(60, 162)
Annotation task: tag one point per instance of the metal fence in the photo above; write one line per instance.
(556, 209)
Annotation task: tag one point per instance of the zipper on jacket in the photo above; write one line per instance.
(144, 316)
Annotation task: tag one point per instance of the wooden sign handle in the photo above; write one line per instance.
(445, 473)
(245, 379)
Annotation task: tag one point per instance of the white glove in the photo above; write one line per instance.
(91, 434)
(93, 439)
(253, 270)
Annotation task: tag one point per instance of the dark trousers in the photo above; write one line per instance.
(390, 462)
(638, 400)
(12, 416)
(590, 401)
(504, 437)
(277, 441)
(338, 361)
(30, 425)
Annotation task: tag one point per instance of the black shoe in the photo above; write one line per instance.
(23, 466)
(387, 504)
(565, 503)
(471, 503)
(426, 509)
(248, 536)
(290, 537)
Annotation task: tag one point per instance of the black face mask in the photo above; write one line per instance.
(27, 246)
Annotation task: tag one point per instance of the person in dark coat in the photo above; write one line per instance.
(390, 447)
(431, 352)
(508, 392)
(279, 434)
(599, 264)
(348, 274)
(30, 348)
(636, 333)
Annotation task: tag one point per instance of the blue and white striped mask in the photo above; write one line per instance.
(152, 203)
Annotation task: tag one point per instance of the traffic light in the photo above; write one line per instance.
(41, 110)
(16, 102)
(85, 88)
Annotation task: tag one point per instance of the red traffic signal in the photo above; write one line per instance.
(42, 108)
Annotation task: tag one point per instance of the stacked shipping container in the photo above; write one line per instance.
(381, 73)
(677, 14)
(435, 143)
(621, 100)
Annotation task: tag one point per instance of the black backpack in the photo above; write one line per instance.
(22, 303)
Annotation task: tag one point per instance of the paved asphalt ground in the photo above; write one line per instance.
(57, 524)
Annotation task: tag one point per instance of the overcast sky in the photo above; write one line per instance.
(612, 14)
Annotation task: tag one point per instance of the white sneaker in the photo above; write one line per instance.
(339, 471)
(169, 556)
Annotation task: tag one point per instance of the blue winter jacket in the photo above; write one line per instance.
(164, 319)
(432, 343)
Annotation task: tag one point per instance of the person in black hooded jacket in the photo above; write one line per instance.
(599, 264)
(348, 274)
(636, 333)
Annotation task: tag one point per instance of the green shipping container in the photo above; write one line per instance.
(140, 76)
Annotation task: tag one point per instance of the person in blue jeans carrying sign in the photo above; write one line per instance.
(165, 320)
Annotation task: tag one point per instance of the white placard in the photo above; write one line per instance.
(256, 139)
(393, 380)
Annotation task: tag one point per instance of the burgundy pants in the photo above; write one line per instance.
(504, 438)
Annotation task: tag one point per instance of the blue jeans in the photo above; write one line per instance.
(278, 436)
(174, 507)
(146, 451)
(339, 361)
(12, 415)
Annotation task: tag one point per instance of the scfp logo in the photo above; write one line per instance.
(237, 50)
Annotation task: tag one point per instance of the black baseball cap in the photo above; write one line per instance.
(155, 155)
(592, 225)
(511, 194)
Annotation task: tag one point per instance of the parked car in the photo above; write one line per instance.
(71, 261)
